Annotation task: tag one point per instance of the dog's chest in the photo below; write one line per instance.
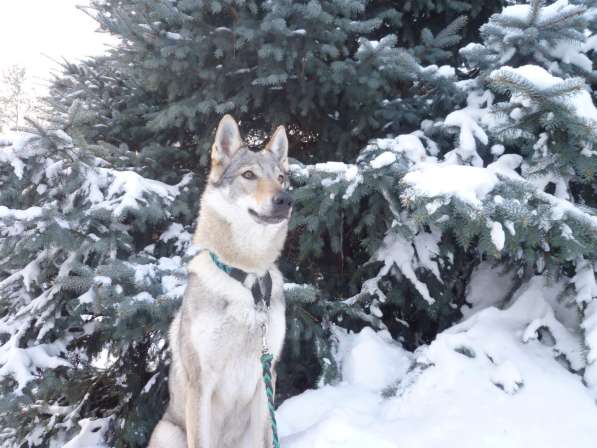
(238, 330)
(231, 319)
(240, 369)
(226, 331)
(231, 348)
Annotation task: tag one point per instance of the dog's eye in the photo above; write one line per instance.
(249, 175)
(281, 178)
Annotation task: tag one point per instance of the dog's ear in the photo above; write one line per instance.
(227, 141)
(278, 145)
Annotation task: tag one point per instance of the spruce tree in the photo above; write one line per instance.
(110, 106)
(92, 269)
(513, 188)
(187, 63)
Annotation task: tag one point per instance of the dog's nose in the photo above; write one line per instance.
(282, 201)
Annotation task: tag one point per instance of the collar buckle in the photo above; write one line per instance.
(262, 286)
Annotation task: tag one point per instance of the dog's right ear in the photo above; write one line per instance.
(227, 142)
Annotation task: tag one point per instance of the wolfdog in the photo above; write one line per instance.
(233, 303)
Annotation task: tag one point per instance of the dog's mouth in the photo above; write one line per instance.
(271, 219)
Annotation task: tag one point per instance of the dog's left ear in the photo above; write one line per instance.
(278, 145)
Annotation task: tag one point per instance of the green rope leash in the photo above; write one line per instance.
(266, 365)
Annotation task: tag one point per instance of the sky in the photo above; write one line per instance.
(33, 32)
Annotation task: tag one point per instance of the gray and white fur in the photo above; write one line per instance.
(217, 397)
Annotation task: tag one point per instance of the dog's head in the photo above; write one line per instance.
(249, 184)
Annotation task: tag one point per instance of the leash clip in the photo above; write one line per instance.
(264, 347)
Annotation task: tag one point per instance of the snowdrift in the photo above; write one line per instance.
(501, 378)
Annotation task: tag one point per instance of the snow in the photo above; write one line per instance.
(427, 248)
(87, 297)
(506, 165)
(498, 237)
(546, 13)
(344, 173)
(23, 215)
(102, 280)
(571, 53)
(467, 183)
(507, 377)
(173, 286)
(516, 11)
(469, 131)
(182, 238)
(169, 264)
(173, 36)
(580, 102)
(488, 286)
(173, 231)
(367, 46)
(8, 155)
(384, 159)
(539, 76)
(128, 189)
(446, 71)
(562, 207)
(478, 384)
(409, 145)
(354, 178)
(32, 271)
(371, 348)
(143, 297)
(120, 191)
(399, 252)
(589, 326)
(150, 383)
(22, 364)
(91, 434)
(14, 150)
(54, 169)
(585, 286)
(497, 150)
(331, 167)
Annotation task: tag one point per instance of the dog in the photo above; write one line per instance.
(217, 396)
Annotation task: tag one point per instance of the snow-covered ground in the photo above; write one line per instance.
(489, 381)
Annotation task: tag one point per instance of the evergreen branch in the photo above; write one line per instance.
(43, 133)
(451, 32)
(567, 87)
(505, 81)
(563, 19)
(534, 11)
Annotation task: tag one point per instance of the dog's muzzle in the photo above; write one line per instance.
(281, 207)
(281, 203)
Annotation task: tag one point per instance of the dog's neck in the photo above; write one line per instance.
(253, 248)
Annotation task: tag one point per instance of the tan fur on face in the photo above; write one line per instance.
(219, 236)
(265, 190)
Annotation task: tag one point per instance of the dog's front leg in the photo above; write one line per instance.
(199, 416)
(256, 435)
(259, 434)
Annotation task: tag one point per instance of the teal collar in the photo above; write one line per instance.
(262, 286)
(220, 264)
